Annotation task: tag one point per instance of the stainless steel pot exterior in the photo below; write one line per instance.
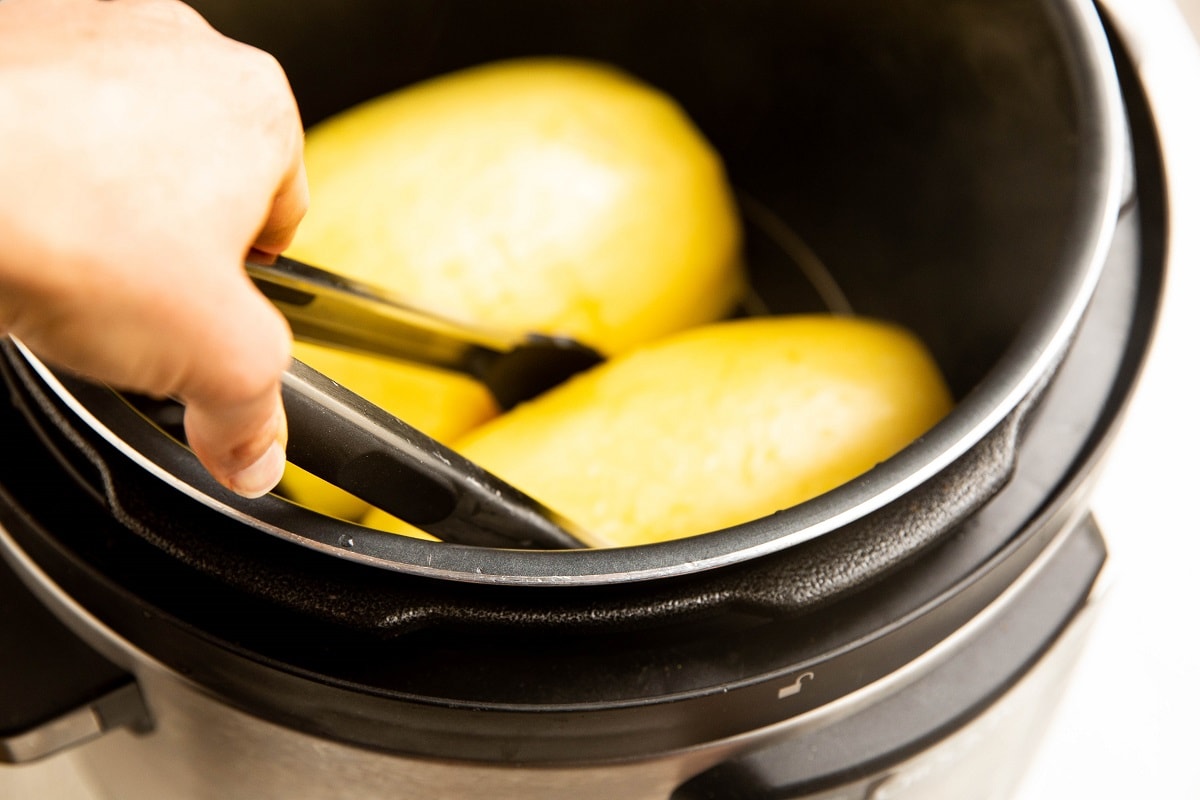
(202, 749)
(997, 745)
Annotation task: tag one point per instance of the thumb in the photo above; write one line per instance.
(288, 208)
(233, 416)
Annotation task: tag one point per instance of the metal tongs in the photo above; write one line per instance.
(363, 449)
(326, 308)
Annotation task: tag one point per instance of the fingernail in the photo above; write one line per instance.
(263, 475)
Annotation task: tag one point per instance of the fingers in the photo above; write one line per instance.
(202, 334)
(234, 417)
(289, 208)
(243, 446)
(243, 443)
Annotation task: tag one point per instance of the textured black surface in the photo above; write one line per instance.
(777, 584)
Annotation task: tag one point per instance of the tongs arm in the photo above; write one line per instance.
(339, 436)
(326, 308)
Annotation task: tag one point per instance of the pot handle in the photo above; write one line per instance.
(56, 692)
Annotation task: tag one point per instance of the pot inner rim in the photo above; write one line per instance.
(1026, 363)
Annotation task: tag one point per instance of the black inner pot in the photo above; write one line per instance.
(955, 165)
(944, 159)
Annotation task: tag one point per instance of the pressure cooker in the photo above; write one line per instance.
(984, 172)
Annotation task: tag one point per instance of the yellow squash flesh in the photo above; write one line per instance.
(715, 426)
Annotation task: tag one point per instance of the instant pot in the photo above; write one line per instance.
(986, 173)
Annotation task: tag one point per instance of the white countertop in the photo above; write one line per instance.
(1128, 726)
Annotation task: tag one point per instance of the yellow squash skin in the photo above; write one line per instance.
(715, 426)
(549, 195)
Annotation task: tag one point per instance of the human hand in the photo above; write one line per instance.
(143, 156)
